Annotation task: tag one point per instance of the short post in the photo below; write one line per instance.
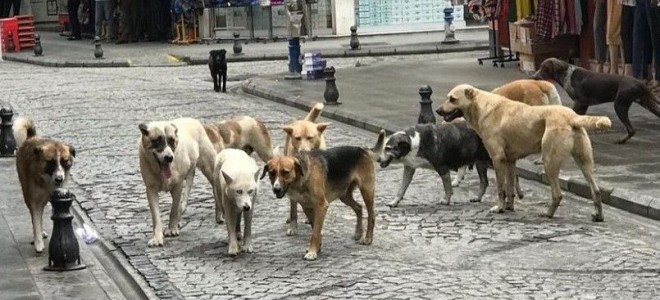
(355, 43)
(98, 51)
(63, 250)
(7, 141)
(449, 29)
(38, 50)
(294, 11)
(238, 47)
(331, 94)
(426, 110)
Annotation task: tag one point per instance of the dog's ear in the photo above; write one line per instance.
(299, 167)
(470, 93)
(380, 141)
(228, 179)
(288, 130)
(144, 129)
(72, 150)
(264, 172)
(322, 126)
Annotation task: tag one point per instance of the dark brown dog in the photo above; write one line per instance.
(588, 88)
(42, 165)
(314, 179)
(218, 67)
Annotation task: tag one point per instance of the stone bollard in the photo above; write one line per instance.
(98, 51)
(449, 29)
(7, 141)
(426, 110)
(355, 43)
(63, 251)
(38, 50)
(238, 48)
(331, 94)
(10, 42)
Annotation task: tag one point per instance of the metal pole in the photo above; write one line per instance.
(309, 20)
(251, 22)
(270, 22)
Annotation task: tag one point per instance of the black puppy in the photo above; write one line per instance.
(590, 88)
(218, 67)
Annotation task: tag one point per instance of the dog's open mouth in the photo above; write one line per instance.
(166, 170)
(450, 116)
(279, 193)
(386, 162)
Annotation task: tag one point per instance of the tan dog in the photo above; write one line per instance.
(512, 130)
(303, 135)
(530, 91)
(241, 132)
(43, 165)
(315, 179)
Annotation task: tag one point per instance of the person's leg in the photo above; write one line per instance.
(600, 22)
(613, 38)
(653, 17)
(73, 19)
(641, 41)
(109, 22)
(17, 7)
(98, 24)
(627, 20)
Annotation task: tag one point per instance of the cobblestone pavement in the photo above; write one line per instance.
(421, 250)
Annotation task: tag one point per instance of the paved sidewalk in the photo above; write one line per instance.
(23, 276)
(59, 52)
(386, 96)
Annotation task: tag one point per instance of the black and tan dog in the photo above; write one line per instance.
(218, 67)
(588, 88)
(316, 178)
(43, 165)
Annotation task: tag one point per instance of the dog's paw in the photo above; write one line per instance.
(496, 209)
(444, 202)
(366, 241)
(233, 250)
(217, 90)
(39, 247)
(545, 215)
(247, 248)
(455, 183)
(597, 218)
(44, 234)
(239, 235)
(156, 241)
(475, 200)
(394, 202)
(310, 255)
(171, 232)
(219, 219)
(291, 232)
(509, 208)
(538, 161)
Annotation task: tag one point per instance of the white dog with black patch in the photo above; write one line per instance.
(235, 178)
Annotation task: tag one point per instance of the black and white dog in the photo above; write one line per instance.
(218, 67)
(441, 148)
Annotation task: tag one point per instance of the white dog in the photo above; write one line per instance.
(169, 151)
(235, 178)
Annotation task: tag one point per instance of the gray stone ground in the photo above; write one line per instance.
(421, 250)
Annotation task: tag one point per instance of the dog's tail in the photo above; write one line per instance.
(23, 130)
(374, 152)
(591, 122)
(550, 92)
(315, 112)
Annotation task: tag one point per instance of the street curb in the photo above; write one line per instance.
(630, 201)
(340, 53)
(46, 62)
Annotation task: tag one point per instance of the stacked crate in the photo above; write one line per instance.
(26, 31)
(313, 67)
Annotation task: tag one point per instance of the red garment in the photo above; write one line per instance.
(545, 17)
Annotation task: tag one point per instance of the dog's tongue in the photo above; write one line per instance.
(166, 171)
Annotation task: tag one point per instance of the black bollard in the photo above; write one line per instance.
(38, 50)
(426, 110)
(10, 42)
(355, 43)
(331, 94)
(238, 48)
(98, 51)
(63, 251)
(7, 141)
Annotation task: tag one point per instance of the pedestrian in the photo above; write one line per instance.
(130, 21)
(7, 6)
(74, 23)
(104, 12)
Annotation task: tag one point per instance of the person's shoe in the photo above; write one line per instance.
(74, 38)
(122, 41)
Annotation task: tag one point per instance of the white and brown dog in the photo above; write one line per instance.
(169, 152)
(43, 165)
(242, 132)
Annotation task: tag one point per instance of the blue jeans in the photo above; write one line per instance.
(104, 12)
(600, 22)
(646, 40)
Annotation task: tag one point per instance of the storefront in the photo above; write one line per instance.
(406, 15)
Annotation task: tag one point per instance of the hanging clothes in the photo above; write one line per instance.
(523, 8)
(545, 18)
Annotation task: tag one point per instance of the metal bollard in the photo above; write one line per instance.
(295, 67)
(238, 47)
(355, 43)
(38, 50)
(449, 29)
(331, 94)
(98, 51)
(7, 141)
(10, 42)
(426, 110)
(63, 251)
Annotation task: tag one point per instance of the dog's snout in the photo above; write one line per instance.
(277, 190)
(168, 158)
(58, 180)
(246, 207)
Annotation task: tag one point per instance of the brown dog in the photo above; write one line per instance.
(511, 130)
(43, 165)
(315, 179)
(303, 135)
(530, 91)
(241, 132)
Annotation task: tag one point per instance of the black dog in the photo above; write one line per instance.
(218, 67)
(590, 88)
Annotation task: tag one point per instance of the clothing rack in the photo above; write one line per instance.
(494, 43)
